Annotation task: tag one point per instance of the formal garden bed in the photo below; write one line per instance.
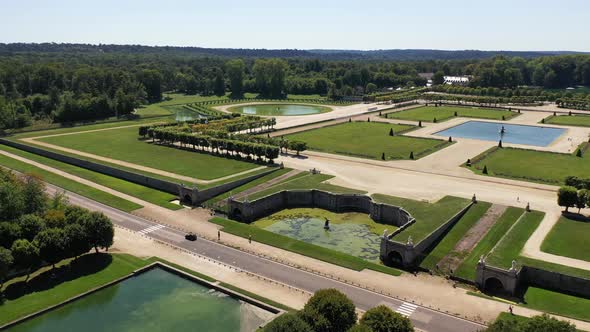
(577, 120)
(532, 165)
(372, 140)
(443, 113)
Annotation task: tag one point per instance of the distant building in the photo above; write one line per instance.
(457, 80)
(427, 77)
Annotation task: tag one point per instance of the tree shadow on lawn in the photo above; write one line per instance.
(576, 216)
(83, 266)
(290, 155)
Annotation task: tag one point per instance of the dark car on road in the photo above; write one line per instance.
(191, 236)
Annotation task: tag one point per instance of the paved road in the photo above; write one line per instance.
(422, 318)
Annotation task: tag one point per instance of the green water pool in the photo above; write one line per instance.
(280, 109)
(156, 300)
(350, 238)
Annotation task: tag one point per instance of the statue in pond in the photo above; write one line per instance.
(385, 234)
(327, 224)
(502, 131)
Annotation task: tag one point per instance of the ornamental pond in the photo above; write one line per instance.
(279, 109)
(155, 300)
(351, 233)
(516, 134)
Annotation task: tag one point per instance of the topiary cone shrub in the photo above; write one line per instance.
(434, 120)
(420, 123)
(468, 163)
(412, 155)
(485, 169)
(390, 131)
(450, 139)
(383, 156)
(455, 113)
(503, 118)
(579, 153)
(542, 120)
(368, 119)
(349, 119)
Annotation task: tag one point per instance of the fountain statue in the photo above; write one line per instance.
(410, 241)
(482, 260)
(327, 224)
(385, 234)
(502, 131)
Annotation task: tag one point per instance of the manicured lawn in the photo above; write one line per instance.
(511, 244)
(429, 113)
(300, 247)
(368, 140)
(67, 184)
(42, 291)
(467, 269)
(557, 303)
(147, 194)
(429, 216)
(568, 238)
(124, 144)
(304, 181)
(530, 165)
(447, 244)
(569, 120)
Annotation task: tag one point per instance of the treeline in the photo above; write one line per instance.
(72, 83)
(37, 229)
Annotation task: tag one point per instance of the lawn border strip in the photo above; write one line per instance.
(506, 234)
(512, 116)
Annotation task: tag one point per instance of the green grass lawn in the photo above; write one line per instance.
(531, 165)
(569, 120)
(429, 216)
(144, 193)
(566, 238)
(73, 278)
(511, 244)
(300, 247)
(303, 181)
(429, 113)
(557, 303)
(124, 144)
(447, 244)
(368, 140)
(70, 185)
(467, 269)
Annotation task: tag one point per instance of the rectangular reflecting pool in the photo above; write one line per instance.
(155, 300)
(515, 134)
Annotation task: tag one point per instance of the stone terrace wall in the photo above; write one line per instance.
(382, 213)
(555, 281)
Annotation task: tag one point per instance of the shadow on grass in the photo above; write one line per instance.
(576, 216)
(83, 266)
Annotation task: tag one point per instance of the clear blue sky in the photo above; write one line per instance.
(304, 24)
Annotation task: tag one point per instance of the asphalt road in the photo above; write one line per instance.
(422, 318)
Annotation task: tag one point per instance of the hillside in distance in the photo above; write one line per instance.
(325, 54)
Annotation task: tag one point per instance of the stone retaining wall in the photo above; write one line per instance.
(382, 213)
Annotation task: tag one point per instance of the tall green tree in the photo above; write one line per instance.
(235, 71)
(288, 322)
(383, 319)
(567, 197)
(335, 307)
(219, 88)
(6, 261)
(52, 245)
(100, 231)
(438, 78)
(26, 255)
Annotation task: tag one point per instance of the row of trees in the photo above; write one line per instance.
(568, 196)
(37, 229)
(328, 310)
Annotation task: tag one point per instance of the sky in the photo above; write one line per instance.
(304, 24)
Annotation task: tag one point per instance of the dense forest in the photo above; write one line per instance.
(67, 82)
